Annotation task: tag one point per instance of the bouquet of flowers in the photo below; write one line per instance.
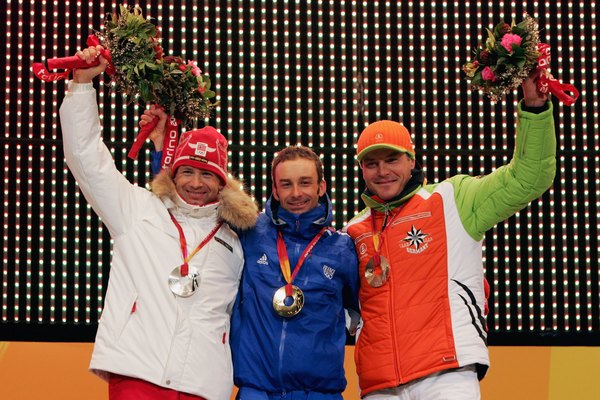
(139, 70)
(506, 58)
(143, 73)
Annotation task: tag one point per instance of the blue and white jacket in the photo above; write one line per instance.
(305, 352)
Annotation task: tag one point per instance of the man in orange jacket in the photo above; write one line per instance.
(419, 247)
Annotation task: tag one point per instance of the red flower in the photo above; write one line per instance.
(159, 52)
(173, 60)
(484, 56)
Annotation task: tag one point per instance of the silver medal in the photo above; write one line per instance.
(184, 286)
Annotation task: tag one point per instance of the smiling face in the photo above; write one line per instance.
(386, 172)
(296, 185)
(196, 186)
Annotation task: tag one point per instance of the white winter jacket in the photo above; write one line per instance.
(146, 331)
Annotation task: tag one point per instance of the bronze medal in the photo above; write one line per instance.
(279, 302)
(377, 275)
(184, 286)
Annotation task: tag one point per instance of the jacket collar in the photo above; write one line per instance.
(179, 207)
(235, 206)
(307, 224)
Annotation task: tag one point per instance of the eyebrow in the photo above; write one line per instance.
(302, 178)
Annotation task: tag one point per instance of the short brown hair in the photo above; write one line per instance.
(293, 153)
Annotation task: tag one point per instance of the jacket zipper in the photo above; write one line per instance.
(281, 348)
(284, 328)
(391, 312)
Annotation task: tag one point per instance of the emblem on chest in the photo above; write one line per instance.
(416, 241)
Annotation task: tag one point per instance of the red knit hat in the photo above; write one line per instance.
(203, 148)
(384, 135)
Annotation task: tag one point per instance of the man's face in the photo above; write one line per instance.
(296, 185)
(386, 172)
(196, 186)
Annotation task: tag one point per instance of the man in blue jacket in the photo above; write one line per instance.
(300, 280)
(288, 329)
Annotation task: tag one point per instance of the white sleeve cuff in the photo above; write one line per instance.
(80, 87)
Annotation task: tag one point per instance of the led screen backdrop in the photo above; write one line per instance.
(315, 73)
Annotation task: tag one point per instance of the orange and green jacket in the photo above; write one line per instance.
(428, 316)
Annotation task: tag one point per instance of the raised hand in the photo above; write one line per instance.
(85, 75)
(531, 96)
(158, 133)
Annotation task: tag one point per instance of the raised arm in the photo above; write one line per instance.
(485, 201)
(106, 190)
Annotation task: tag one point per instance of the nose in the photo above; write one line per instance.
(196, 181)
(295, 191)
(382, 169)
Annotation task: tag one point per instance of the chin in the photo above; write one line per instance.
(299, 210)
(385, 196)
(195, 202)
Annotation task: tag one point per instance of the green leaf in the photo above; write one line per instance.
(491, 40)
(518, 51)
(477, 80)
(498, 30)
(152, 66)
(145, 92)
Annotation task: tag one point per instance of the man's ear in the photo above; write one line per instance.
(274, 192)
(322, 188)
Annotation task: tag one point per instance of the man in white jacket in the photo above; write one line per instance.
(164, 330)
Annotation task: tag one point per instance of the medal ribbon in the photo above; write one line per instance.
(284, 260)
(377, 240)
(183, 244)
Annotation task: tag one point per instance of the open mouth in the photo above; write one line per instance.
(298, 204)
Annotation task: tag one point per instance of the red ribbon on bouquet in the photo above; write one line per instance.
(547, 83)
(69, 64)
(170, 140)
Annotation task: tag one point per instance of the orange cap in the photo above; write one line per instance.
(384, 134)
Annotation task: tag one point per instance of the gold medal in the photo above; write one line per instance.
(279, 302)
(377, 274)
(184, 286)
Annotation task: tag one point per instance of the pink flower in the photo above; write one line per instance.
(509, 39)
(195, 70)
(488, 75)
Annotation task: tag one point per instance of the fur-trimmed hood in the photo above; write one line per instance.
(236, 207)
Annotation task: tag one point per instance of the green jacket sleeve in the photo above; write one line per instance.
(484, 201)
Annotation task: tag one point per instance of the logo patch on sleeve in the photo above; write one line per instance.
(224, 243)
